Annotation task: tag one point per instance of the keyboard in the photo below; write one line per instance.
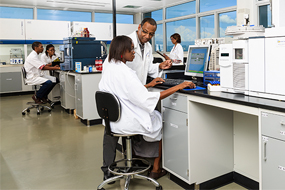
(172, 82)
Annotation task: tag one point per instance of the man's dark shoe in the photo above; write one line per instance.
(44, 100)
(108, 175)
(37, 100)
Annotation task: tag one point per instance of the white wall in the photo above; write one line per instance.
(246, 7)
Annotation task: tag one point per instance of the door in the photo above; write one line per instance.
(175, 143)
(273, 163)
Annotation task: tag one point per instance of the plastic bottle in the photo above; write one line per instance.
(87, 32)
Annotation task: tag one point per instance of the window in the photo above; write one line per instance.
(225, 20)
(181, 10)
(209, 5)
(207, 27)
(265, 16)
(187, 30)
(156, 15)
(19, 13)
(46, 14)
(108, 18)
(158, 38)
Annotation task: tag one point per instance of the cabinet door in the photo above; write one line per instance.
(78, 95)
(175, 143)
(11, 82)
(273, 164)
(62, 89)
(12, 29)
(47, 29)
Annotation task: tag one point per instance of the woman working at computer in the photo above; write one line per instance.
(176, 53)
(49, 56)
(137, 103)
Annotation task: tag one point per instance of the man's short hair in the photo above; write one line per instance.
(151, 21)
(36, 44)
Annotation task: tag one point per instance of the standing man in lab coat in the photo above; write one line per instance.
(143, 65)
(33, 66)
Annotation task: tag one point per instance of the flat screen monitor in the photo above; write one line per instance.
(197, 60)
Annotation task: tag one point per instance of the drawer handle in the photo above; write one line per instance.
(264, 156)
(9, 79)
(282, 123)
(173, 98)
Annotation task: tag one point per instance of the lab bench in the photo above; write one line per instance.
(211, 139)
(77, 91)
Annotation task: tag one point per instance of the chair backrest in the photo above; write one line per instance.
(24, 74)
(108, 108)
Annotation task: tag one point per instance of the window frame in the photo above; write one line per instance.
(259, 4)
(215, 12)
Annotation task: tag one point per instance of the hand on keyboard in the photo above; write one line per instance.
(187, 84)
(154, 82)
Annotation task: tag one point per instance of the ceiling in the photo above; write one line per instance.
(135, 6)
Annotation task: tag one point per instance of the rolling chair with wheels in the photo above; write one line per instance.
(39, 107)
(109, 109)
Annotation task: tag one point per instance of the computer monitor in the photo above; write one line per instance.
(197, 60)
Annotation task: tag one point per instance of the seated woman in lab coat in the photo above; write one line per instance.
(138, 104)
(49, 56)
(176, 53)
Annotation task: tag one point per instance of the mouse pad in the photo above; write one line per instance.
(197, 88)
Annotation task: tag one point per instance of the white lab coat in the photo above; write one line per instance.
(145, 66)
(177, 52)
(137, 103)
(33, 66)
(47, 59)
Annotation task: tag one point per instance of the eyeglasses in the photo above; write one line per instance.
(146, 32)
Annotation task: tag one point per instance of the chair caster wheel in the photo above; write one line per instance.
(38, 113)
(42, 109)
(159, 188)
(101, 189)
(23, 113)
(52, 107)
(49, 110)
(28, 111)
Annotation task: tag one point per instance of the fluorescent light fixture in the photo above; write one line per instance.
(131, 6)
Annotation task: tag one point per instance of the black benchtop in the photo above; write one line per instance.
(270, 104)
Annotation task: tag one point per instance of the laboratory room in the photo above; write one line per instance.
(141, 95)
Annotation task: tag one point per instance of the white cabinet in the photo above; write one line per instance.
(67, 90)
(175, 136)
(126, 29)
(47, 30)
(12, 29)
(273, 151)
(85, 87)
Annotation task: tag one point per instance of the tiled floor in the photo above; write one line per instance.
(55, 151)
